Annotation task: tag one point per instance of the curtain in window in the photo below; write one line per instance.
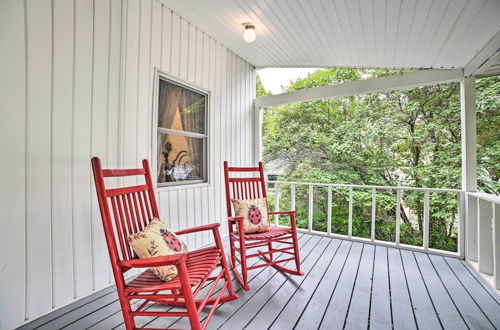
(191, 108)
(170, 97)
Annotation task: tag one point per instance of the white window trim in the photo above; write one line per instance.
(155, 129)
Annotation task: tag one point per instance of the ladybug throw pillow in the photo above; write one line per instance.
(254, 212)
(157, 240)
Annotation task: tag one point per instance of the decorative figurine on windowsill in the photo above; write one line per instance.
(175, 171)
(181, 171)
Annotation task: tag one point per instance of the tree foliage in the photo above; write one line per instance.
(409, 137)
(260, 91)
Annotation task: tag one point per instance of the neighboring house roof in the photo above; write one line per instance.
(278, 167)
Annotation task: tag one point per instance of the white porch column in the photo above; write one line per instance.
(257, 144)
(469, 164)
(469, 152)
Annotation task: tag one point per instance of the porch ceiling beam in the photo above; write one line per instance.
(394, 82)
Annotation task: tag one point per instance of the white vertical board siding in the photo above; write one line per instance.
(155, 62)
(223, 137)
(130, 88)
(38, 124)
(114, 96)
(12, 163)
(81, 177)
(61, 172)
(144, 85)
(99, 111)
(77, 81)
(81, 127)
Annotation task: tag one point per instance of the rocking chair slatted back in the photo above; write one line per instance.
(125, 172)
(244, 187)
(132, 207)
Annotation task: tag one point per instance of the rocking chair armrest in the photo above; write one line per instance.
(210, 226)
(293, 221)
(214, 227)
(172, 259)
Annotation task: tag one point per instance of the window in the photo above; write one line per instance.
(182, 133)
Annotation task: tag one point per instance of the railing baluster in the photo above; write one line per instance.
(426, 220)
(496, 245)
(329, 212)
(461, 225)
(398, 215)
(374, 209)
(471, 239)
(276, 202)
(485, 237)
(292, 197)
(349, 229)
(311, 208)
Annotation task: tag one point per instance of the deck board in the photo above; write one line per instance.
(80, 312)
(477, 276)
(349, 285)
(299, 300)
(445, 306)
(338, 305)
(313, 313)
(272, 284)
(470, 311)
(403, 316)
(423, 307)
(263, 316)
(380, 307)
(483, 299)
(359, 308)
(36, 324)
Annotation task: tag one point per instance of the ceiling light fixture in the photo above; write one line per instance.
(249, 34)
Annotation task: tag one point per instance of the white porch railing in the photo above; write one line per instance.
(482, 242)
(460, 195)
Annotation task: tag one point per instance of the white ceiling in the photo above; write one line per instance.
(349, 33)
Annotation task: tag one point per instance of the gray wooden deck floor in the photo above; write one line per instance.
(347, 285)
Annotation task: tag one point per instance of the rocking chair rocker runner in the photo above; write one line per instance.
(253, 188)
(133, 207)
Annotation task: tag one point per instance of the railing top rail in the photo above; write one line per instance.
(457, 191)
(488, 197)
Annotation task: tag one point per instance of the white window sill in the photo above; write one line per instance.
(182, 186)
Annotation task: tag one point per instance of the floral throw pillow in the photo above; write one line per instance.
(254, 212)
(157, 240)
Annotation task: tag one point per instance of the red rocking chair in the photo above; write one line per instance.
(252, 188)
(132, 208)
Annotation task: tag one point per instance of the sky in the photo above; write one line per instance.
(274, 78)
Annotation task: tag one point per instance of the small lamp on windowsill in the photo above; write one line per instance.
(249, 34)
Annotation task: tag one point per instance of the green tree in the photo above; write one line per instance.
(488, 134)
(260, 91)
(411, 135)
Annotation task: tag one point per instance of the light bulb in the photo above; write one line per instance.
(249, 34)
